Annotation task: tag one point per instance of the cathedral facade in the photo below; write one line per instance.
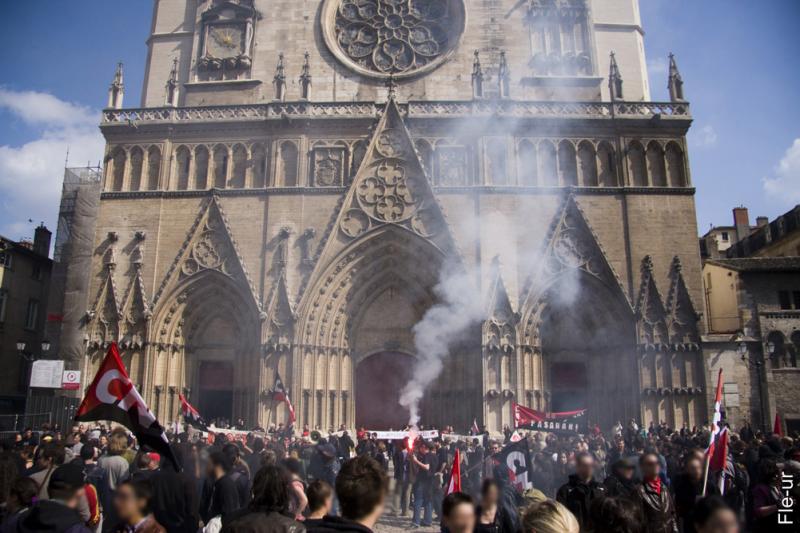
(302, 174)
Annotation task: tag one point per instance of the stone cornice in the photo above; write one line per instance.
(476, 189)
(279, 111)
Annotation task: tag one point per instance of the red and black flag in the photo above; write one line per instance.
(112, 396)
(566, 422)
(281, 394)
(191, 416)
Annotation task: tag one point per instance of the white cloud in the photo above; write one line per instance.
(37, 108)
(784, 186)
(31, 173)
(704, 137)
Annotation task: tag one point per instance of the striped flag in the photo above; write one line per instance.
(455, 475)
(717, 417)
(190, 415)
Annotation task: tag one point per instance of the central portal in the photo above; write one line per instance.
(379, 380)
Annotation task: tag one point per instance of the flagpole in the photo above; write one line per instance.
(705, 477)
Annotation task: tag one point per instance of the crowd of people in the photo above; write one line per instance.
(630, 480)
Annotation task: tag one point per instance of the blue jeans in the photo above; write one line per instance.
(422, 497)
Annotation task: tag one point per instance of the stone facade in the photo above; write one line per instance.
(271, 210)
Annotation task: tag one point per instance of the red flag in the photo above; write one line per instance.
(455, 475)
(191, 415)
(777, 428)
(112, 396)
(719, 459)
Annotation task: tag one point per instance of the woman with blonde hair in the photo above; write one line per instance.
(549, 516)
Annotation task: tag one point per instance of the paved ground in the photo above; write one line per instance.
(395, 524)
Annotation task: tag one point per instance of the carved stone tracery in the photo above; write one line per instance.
(392, 37)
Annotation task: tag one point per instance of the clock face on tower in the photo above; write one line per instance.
(225, 41)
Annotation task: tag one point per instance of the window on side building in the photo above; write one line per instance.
(3, 300)
(32, 316)
(784, 299)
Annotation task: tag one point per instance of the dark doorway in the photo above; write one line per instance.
(379, 380)
(216, 390)
(569, 386)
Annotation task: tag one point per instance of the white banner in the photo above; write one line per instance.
(457, 437)
(400, 435)
(47, 374)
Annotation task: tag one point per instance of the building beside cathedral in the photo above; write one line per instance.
(300, 174)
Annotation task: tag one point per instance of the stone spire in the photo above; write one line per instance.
(280, 79)
(116, 91)
(477, 77)
(615, 80)
(172, 85)
(503, 76)
(675, 84)
(305, 78)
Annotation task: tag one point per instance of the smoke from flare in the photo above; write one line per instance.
(460, 305)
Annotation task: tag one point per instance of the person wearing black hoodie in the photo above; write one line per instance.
(621, 483)
(361, 488)
(60, 513)
(581, 489)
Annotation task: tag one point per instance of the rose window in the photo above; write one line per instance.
(392, 37)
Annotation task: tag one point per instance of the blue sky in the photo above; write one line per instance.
(738, 60)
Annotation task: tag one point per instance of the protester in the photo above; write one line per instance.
(423, 467)
(361, 489)
(221, 496)
(549, 516)
(60, 511)
(21, 496)
(458, 513)
(320, 502)
(51, 457)
(654, 497)
(132, 503)
(577, 495)
(269, 510)
(616, 515)
(712, 515)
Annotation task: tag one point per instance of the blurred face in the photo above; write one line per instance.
(495, 448)
(627, 472)
(461, 519)
(722, 521)
(650, 467)
(491, 496)
(694, 469)
(129, 508)
(585, 467)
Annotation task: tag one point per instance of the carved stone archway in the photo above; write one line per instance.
(207, 319)
(364, 302)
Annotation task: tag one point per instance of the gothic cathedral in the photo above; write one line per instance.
(301, 174)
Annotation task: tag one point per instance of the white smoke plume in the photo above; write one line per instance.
(460, 306)
(462, 302)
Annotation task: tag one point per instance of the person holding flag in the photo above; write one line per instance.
(716, 419)
(191, 416)
(280, 394)
(112, 396)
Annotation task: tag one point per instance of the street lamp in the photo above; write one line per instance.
(30, 357)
